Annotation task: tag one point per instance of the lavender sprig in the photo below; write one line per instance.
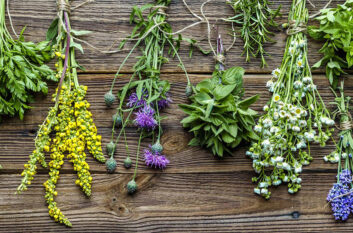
(340, 196)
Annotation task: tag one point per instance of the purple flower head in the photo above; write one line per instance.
(155, 160)
(341, 201)
(345, 177)
(163, 103)
(147, 109)
(145, 118)
(134, 101)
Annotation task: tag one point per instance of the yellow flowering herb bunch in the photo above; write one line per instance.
(69, 120)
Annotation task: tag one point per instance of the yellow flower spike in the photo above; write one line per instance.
(58, 54)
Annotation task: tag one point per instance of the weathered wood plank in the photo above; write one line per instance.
(109, 20)
(201, 202)
(15, 134)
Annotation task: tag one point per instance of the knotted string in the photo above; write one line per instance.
(63, 5)
(220, 58)
(294, 27)
(346, 125)
(161, 9)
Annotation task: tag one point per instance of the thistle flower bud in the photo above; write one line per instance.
(131, 187)
(117, 119)
(188, 91)
(109, 98)
(157, 148)
(111, 148)
(127, 163)
(111, 165)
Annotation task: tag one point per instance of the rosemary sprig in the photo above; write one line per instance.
(256, 18)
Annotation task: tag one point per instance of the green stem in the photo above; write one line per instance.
(123, 63)
(137, 155)
(181, 62)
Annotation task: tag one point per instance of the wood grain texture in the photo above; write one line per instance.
(197, 193)
(109, 20)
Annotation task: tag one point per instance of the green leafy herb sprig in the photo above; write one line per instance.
(145, 95)
(22, 70)
(68, 129)
(336, 29)
(294, 118)
(218, 116)
(256, 19)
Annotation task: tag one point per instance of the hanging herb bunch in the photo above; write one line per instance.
(256, 19)
(294, 118)
(341, 194)
(335, 29)
(69, 120)
(22, 70)
(145, 95)
(218, 116)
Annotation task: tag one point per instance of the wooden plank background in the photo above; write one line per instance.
(197, 193)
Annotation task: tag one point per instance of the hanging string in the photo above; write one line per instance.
(82, 4)
(208, 27)
(317, 13)
(10, 18)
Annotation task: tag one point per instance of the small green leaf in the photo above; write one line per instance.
(52, 30)
(222, 91)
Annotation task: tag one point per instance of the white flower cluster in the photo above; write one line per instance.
(293, 119)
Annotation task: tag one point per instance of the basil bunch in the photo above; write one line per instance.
(336, 29)
(218, 117)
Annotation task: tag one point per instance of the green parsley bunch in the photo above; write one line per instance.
(335, 29)
(22, 70)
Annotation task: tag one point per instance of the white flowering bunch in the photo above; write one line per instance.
(294, 118)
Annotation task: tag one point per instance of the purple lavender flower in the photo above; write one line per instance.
(163, 103)
(345, 177)
(155, 160)
(145, 118)
(341, 201)
(133, 100)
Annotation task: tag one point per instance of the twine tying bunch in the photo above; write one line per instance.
(161, 9)
(63, 6)
(220, 58)
(294, 27)
(346, 125)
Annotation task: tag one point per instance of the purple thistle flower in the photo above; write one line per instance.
(341, 205)
(155, 160)
(163, 103)
(144, 118)
(345, 177)
(134, 101)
